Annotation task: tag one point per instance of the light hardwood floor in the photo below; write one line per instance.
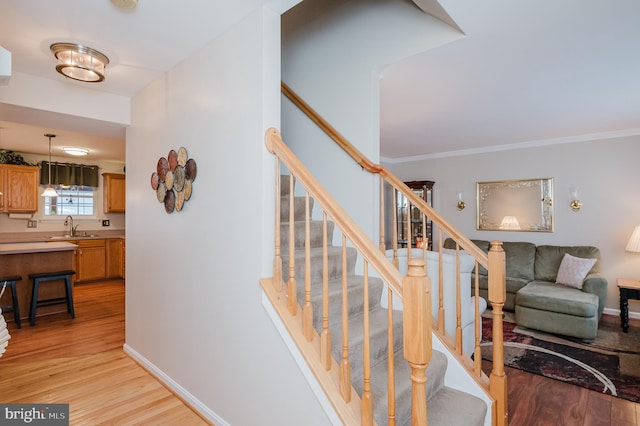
(81, 362)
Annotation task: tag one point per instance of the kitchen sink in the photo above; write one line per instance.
(75, 237)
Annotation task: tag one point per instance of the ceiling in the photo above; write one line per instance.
(525, 72)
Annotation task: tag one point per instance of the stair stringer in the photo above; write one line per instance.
(304, 354)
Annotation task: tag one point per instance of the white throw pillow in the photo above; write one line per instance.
(573, 270)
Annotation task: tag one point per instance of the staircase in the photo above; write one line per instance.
(445, 406)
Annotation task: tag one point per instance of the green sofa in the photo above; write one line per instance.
(539, 303)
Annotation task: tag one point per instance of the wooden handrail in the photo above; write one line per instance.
(354, 234)
(394, 181)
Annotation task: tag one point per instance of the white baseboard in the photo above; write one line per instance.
(181, 392)
(616, 312)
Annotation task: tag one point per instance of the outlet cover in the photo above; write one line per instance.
(32, 223)
(106, 222)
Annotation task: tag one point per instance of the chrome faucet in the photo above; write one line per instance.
(72, 229)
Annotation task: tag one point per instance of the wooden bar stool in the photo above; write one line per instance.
(15, 308)
(46, 277)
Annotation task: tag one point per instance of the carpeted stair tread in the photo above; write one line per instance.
(315, 230)
(402, 373)
(451, 407)
(335, 263)
(378, 339)
(298, 208)
(355, 300)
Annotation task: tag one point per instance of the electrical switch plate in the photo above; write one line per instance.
(32, 223)
(106, 222)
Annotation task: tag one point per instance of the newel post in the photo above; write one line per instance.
(497, 297)
(416, 315)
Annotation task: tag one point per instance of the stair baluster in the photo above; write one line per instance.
(277, 260)
(325, 334)
(307, 309)
(292, 298)
(345, 364)
(367, 398)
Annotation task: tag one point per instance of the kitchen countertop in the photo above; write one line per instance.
(42, 237)
(34, 247)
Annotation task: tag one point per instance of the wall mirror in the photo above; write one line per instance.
(515, 205)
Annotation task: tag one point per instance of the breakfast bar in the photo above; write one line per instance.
(23, 259)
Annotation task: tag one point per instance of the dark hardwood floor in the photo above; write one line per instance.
(538, 401)
(55, 357)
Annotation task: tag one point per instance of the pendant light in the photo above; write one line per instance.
(49, 192)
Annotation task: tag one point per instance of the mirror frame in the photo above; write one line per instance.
(529, 200)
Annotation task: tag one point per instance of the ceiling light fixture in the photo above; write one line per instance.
(79, 62)
(49, 192)
(79, 152)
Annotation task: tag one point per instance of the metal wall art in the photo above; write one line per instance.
(173, 179)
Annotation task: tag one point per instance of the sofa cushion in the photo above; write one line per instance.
(573, 270)
(520, 259)
(548, 259)
(546, 296)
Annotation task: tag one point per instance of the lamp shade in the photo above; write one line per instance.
(509, 222)
(634, 241)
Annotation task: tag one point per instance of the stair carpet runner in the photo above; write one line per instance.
(445, 406)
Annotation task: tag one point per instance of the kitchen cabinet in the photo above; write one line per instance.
(18, 188)
(90, 260)
(408, 212)
(115, 258)
(114, 192)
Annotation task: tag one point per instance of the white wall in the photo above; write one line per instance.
(193, 298)
(55, 225)
(333, 53)
(605, 169)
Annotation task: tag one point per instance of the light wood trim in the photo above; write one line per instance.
(416, 316)
(391, 369)
(359, 158)
(458, 304)
(325, 335)
(292, 297)
(356, 236)
(477, 352)
(497, 297)
(345, 363)
(348, 411)
(277, 260)
(441, 319)
(330, 130)
(307, 309)
(367, 397)
(395, 228)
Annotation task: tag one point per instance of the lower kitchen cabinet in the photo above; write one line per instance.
(90, 260)
(99, 259)
(115, 258)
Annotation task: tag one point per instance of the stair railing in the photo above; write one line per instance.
(493, 262)
(335, 376)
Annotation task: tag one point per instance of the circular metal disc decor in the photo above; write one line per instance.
(173, 179)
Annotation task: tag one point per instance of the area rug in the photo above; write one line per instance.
(610, 364)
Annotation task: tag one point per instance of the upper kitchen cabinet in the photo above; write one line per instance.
(18, 189)
(114, 192)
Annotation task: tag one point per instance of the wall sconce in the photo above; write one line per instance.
(461, 205)
(575, 202)
(510, 222)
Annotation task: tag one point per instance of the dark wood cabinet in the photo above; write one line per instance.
(409, 213)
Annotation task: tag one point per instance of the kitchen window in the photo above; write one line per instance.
(74, 201)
